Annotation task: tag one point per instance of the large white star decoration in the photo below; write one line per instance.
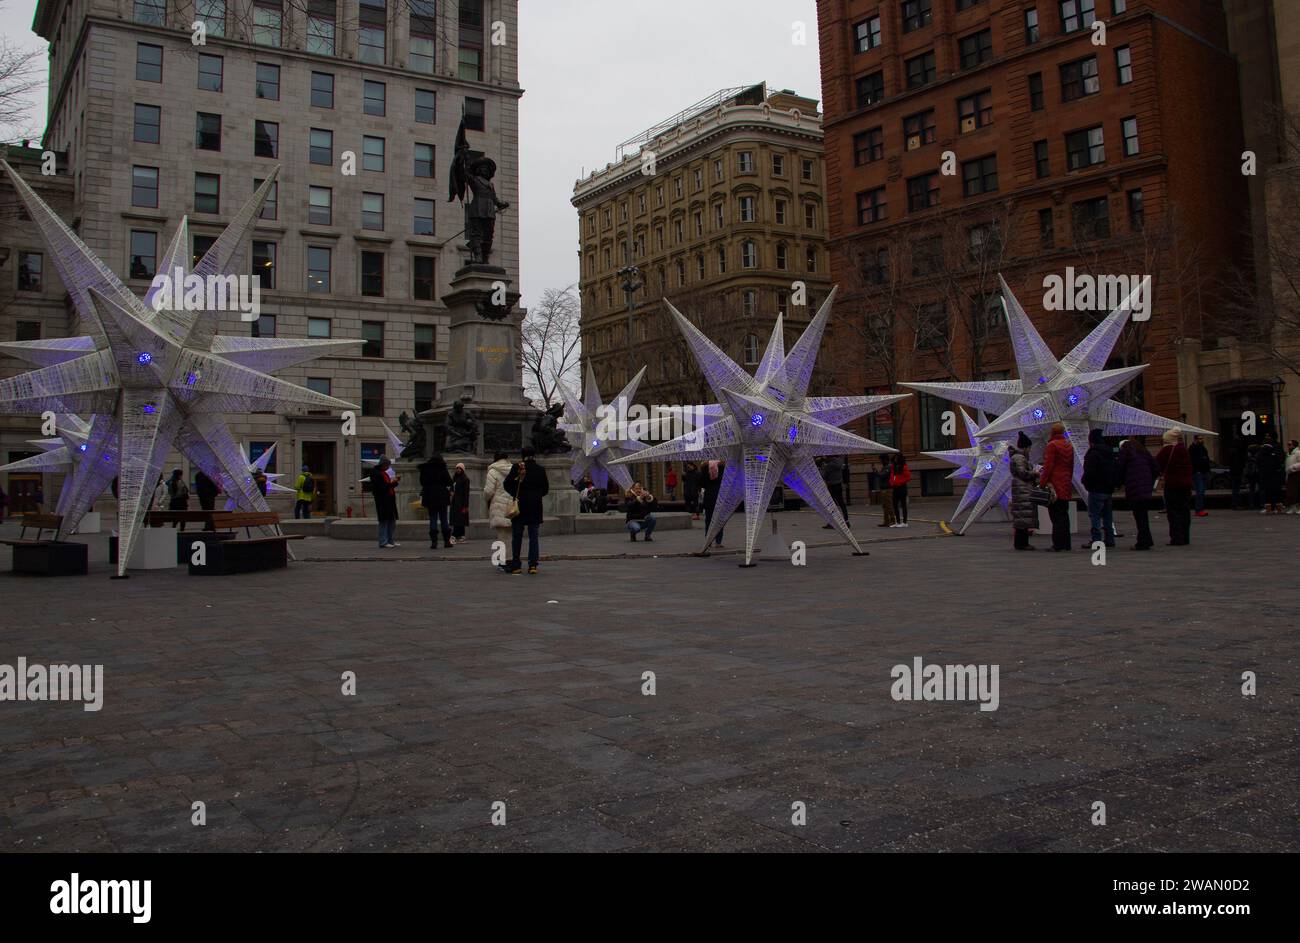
(64, 453)
(769, 431)
(154, 379)
(986, 466)
(1075, 391)
(594, 436)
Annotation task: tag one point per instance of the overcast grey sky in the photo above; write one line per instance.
(597, 72)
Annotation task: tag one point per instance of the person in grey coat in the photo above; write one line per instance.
(1024, 513)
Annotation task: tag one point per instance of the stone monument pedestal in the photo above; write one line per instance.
(561, 502)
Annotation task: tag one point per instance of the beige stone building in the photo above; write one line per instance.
(721, 209)
(358, 101)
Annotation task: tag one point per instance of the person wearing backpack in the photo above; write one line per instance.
(306, 488)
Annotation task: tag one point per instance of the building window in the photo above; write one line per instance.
(722, 261)
(320, 385)
(1130, 126)
(927, 255)
(984, 243)
(920, 70)
(1118, 6)
(267, 84)
(475, 114)
(975, 111)
(202, 245)
(144, 186)
(266, 139)
(748, 255)
(423, 217)
(966, 4)
(866, 35)
(148, 62)
(264, 326)
(150, 12)
(318, 267)
(322, 90)
(372, 154)
(372, 397)
(319, 328)
(975, 48)
(1036, 91)
(422, 289)
(426, 106)
(1124, 64)
(979, 176)
(264, 263)
(1046, 229)
(749, 302)
(424, 160)
(374, 98)
(870, 89)
(212, 14)
(321, 146)
(425, 394)
(31, 268)
(781, 262)
(372, 211)
(1076, 15)
(471, 40)
(207, 132)
(922, 192)
(320, 205)
(144, 253)
(372, 332)
(372, 285)
(1084, 148)
(778, 166)
(809, 216)
(810, 259)
(320, 27)
(1136, 219)
(746, 209)
(1031, 26)
(148, 124)
(27, 330)
(268, 21)
(207, 193)
(211, 69)
(871, 206)
(875, 267)
(916, 13)
(868, 146)
(1042, 168)
(1091, 219)
(931, 334)
(1079, 78)
(698, 219)
(372, 32)
(718, 216)
(918, 129)
(681, 273)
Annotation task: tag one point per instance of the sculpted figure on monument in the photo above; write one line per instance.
(474, 174)
(414, 430)
(462, 429)
(547, 437)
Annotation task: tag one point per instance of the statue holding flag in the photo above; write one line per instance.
(474, 172)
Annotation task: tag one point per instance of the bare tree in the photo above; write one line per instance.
(21, 76)
(552, 345)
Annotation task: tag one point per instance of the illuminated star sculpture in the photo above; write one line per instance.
(154, 379)
(1075, 391)
(64, 453)
(769, 431)
(593, 432)
(986, 465)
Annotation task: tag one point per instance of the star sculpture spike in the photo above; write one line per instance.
(768, 430)
(1075, 391)
(65, 454)
(986, 465)
(271, 477)
(154, 379)
(593, 429)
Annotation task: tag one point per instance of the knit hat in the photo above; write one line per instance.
(1172, 436)
(1023, 441)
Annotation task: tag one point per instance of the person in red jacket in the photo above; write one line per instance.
(1176, 477)
(1058, 471)
(899, 476)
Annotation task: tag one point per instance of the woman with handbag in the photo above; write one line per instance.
(1058, 474)
(1024, 512)
(899, 476)
(498, 499)
(527, 484)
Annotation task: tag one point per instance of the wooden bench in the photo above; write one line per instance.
(225, 554)
(47, 557)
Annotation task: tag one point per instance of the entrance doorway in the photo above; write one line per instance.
(319, 457)
(25, 493)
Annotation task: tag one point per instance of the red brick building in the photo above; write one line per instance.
(968, 138)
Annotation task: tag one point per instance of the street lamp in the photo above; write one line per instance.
(1278, 385)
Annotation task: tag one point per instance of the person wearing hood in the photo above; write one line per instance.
(435, 495)
(497, 498)
(1176, 478)
(459, 503)
(1099, 479)
(1058, 471)
(527, 484)
(383, 489)
(1024, 513)
(1137, 471)
(712, 484)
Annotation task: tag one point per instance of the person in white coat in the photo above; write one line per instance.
(497, 498)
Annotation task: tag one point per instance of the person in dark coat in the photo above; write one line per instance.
(1099, 480)
(527, 484)
(459, 503)
(383, 488)
(1137, 471)
(178, 492)
(833, 474)
(691, 489)
(207, 490)
(1176, 477)
(1024, 513)
(435, 496)
(640, 508)
(1272, 475)
(1201, 466)
(1058, 471)
(712, 478)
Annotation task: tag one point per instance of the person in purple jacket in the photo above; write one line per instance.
(1137, 471)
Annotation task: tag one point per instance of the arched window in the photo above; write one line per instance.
(751, 350)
